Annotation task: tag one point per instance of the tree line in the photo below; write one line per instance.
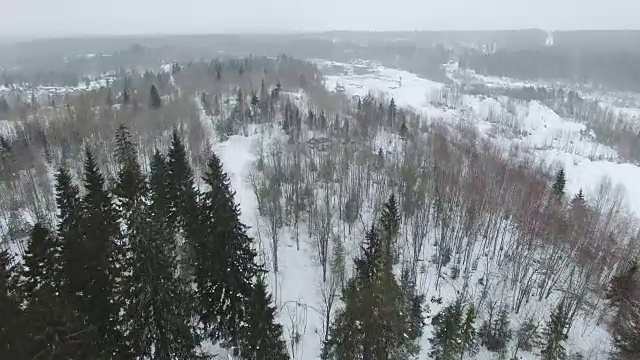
(147, 268)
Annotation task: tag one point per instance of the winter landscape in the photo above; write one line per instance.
(374, 196)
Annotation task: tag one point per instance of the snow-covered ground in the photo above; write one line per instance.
(296, 287)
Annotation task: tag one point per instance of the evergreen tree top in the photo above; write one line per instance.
(6, 270)
(155, 99)
(93, 178)
(66, 191)
(125, 148)
(367, 266)
(559, 183)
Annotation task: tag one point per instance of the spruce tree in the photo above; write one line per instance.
(159, 184)
(578, 199)
(224, 260)
(12, 320)
(182, 200)
(389, 228)
(413, 311)
(155, 101)
(158, 312)
(559, 184)
(374, 323)
(99, 240)
(554, 335)
(392, 113)
(57, 331)
(68, 229)
(447, 342)
(131, 187)
(55, 328)
(469, 333)
(181, 191)
(579, 210)
(41, 262)
(262, 338)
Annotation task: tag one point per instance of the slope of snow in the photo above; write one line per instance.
(296, 285)
(406, 88)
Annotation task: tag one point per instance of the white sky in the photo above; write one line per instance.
(93, 17)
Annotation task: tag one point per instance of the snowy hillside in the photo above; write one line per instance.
(541, 136)
(313, 157)
(538, 130)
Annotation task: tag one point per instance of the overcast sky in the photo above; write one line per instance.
(90, 17)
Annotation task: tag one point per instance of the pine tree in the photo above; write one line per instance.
(262, 338)
(180, 184)
(224, 260)
(182, 199)
(69, 233)
(559, 184)
(446, 343)
(579, 200)
(159, 185)
(554, 335)
(389, 229)
(392, 113)
(579, 210)
(413, 308)
(156, 318)
(131, 189)
(41, 263)
(55, 329)
(469, 334)
(155, 101)
(99, 240)
(158, 313)
(12, 320)
(374, 323)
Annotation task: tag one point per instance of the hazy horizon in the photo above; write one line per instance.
(46, 19)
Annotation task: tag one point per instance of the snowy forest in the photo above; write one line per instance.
(245, 208)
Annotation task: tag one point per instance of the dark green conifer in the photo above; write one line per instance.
(100, 263)
(224, 263)
(559, 184)
(555, 335)
(155, 101)
(12, 320)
